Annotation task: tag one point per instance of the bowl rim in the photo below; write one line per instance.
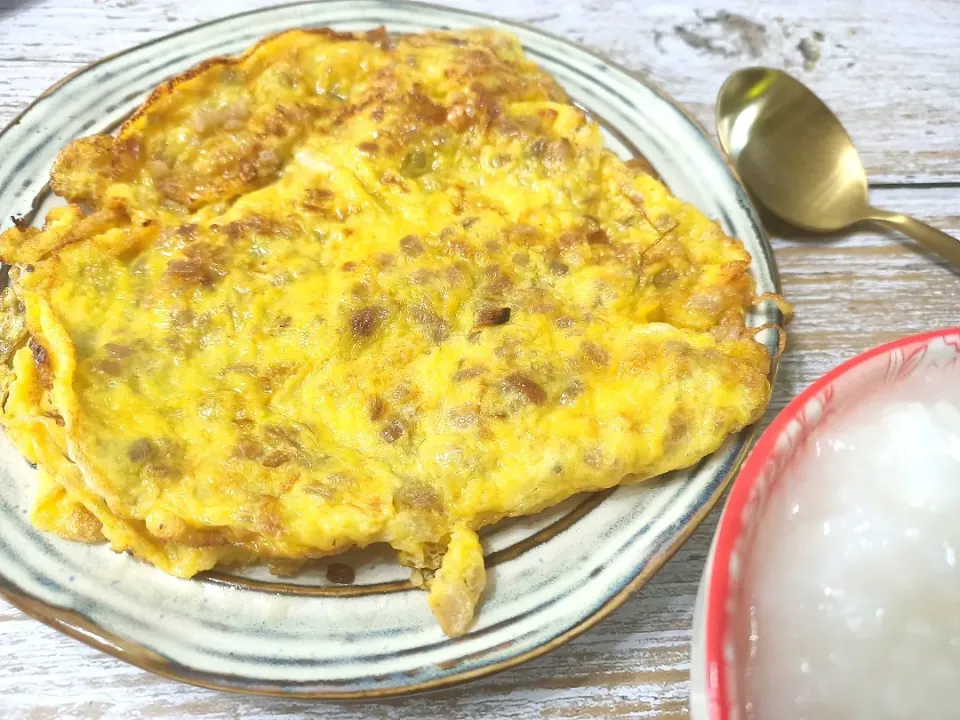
(731, 524)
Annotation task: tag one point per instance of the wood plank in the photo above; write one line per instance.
(888, 68)
(21, 82)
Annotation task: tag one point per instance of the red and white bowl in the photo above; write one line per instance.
(715, 676)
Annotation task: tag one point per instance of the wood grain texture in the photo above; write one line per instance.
(891, 70)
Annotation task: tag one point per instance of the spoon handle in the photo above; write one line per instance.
(944, 245)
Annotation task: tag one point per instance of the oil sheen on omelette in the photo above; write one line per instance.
(354, 289)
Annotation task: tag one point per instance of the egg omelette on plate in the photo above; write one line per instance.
(356, 288)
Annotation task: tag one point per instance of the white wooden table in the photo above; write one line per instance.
(890, 68)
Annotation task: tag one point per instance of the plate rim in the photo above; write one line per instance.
(77, 626)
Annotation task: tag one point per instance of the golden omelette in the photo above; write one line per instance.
(351, 289)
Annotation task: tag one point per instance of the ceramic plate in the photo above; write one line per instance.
(551, 576)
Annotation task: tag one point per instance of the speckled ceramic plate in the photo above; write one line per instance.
(551, 576)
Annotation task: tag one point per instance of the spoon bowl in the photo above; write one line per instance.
(795, 156)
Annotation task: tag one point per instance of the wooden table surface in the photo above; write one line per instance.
(890, 68)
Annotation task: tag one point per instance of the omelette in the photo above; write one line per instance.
(360, 288)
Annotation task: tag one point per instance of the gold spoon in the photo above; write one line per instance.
(795, 156)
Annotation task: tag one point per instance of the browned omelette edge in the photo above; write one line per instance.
(497, 557)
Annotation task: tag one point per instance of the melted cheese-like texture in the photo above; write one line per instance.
(351, 289)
